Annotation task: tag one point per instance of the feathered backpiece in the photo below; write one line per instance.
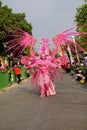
(65, 38)
(20, 41)
(44, 49)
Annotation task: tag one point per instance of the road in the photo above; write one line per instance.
(21, 108)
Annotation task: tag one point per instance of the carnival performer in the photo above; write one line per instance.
(46, 66)
(43, 75)
(46, 69)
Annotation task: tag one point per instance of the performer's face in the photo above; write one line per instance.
(43, 57)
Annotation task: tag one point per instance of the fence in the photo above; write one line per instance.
(4, 77)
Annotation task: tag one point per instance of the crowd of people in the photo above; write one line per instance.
(78, 70)
(14, 71)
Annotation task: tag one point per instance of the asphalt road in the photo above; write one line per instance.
(21, 108)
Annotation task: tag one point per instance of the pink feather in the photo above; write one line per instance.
(20, 41)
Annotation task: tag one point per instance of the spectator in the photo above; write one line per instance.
(67, 68)
(17, 71)
(79, 76)
(9, 72)
(85, 60)
(10, 76)
(1, 65)
(28, 72)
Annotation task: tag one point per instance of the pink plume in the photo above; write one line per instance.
(20, 41)
(65, 36)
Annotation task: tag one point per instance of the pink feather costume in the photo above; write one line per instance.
(46, 69)
(42, 74)
(46, 66)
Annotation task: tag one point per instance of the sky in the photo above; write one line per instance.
(48, 17)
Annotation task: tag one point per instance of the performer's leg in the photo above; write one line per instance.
(42, 88)
(19, 80)
(51, 89)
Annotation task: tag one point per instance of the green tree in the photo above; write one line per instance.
(81, 23)
(11, 21)
(85, 1)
